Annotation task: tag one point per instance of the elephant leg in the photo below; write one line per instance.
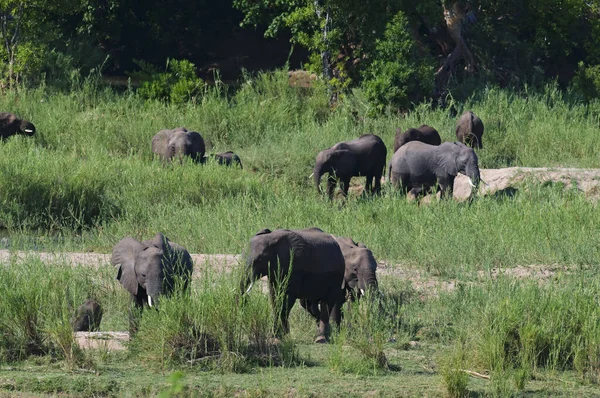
(323, 324)
(345, 185)
(369, 184)
(446, 185)
(331, 183)
(136, 306)
(377, 182)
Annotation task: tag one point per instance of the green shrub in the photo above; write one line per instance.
(398, 75)
(178, 84)
(587, 81)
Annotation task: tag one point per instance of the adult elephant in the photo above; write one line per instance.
(360, 277)
(150, 269)
(364, 156)
(178, 142)
(302, 264)
(469, 130)
(425, 133)
(418, 167)
(10, 124)
(226, 158)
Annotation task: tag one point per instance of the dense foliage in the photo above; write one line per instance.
(400, 52)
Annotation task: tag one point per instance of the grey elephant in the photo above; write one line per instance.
(87, 317)
(359, 274)
(308, 264)
(178, 143)
(425, 133)
(151, 269)
(469, 130)
(418, 167)
(364, 156)
(10, 124)
(225, 158)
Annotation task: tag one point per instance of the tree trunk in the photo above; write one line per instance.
(327, 72)
(454, 18)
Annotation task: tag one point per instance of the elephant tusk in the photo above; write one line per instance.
(28, 131)
(150, 301)
(471, 183)
(362, 291)
(249, 288)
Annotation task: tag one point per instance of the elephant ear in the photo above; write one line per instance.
(123, 256)
(160, 141)
(263, 232)
(447, 155)
(159, 241)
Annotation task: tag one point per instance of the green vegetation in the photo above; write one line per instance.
(88, 178)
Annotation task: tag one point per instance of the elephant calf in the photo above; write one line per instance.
(87, 317)
(10, 124)
(225, 158)
(425, 133)
(364, 156)
(469, 130)
(178, 142)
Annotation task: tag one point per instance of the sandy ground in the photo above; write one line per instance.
(498, 181)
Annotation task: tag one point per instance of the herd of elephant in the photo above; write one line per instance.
(420, 161)
(321, 270)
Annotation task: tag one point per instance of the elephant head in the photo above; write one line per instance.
(149, 269)
(337, 160)
(10, 124)
(270, 252)
(361, 266)
(460, 159)
(178, 143)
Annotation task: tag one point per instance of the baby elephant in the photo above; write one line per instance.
(10, 124)
(226, 158)
(87, 317)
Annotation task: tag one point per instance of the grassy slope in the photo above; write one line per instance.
(87, 179)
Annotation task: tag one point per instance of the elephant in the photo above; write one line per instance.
(419, 166)
(364, 156)
(359, 274)
(150, 269)
(178, 142)
(87, 317)
(425, 133)
(10, 124)
(226, 158)
(308, 264)
(469, 130)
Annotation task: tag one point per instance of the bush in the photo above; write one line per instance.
(587, 81)
(398, 75)
(178, 84)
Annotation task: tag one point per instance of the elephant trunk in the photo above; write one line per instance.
(317, 174)
(368, 282)
(472, 171)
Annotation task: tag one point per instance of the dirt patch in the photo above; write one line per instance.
(507, 181)
(109, 341)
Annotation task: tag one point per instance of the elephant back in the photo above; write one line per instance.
(322, 249)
